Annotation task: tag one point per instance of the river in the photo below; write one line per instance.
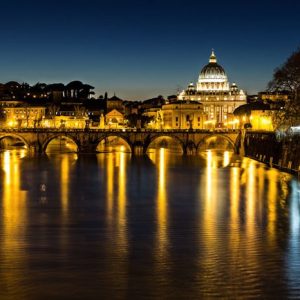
(163, 226)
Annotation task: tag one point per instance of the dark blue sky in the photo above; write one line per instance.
(140, 49)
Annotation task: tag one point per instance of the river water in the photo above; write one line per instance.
(113, 226)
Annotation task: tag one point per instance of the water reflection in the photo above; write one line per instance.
(115, 164)
(217, 159)
(272, 179)
(13, 224)
(293, 256)
(167, 226)
(160, 158)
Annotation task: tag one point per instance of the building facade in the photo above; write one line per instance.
(21, 116)
(114, 119)
(218, 96)
(182, 115)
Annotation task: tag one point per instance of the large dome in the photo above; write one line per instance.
(212, 71)
(212, 77)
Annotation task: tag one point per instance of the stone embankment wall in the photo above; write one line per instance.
(281, 152)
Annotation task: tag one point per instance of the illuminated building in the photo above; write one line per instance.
(274, 96)
(114, 119)
(218, 96)
(65, 122)
(261, 120)
(255, 115)
(177, 115)
(24, 116)
(182, 115)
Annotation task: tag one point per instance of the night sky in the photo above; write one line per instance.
(140, 49)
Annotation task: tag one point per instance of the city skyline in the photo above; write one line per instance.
(141, 50)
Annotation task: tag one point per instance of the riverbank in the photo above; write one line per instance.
(282, 153)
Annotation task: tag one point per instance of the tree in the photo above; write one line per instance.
(287, 78)
(86, 92)
(80, 111)
(133, 120)
(52, 112)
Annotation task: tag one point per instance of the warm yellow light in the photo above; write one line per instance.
(226, 158)
(10, 123)
(210, 122)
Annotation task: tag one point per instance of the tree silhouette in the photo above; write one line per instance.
(287, 78)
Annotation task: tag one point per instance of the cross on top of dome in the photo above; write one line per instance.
(213, 58)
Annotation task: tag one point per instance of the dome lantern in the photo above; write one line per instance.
(213, 58)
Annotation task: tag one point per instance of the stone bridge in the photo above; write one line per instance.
(87, 140)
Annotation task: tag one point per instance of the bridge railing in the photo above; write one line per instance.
(95, 130)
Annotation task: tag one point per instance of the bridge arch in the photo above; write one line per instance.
(16, 136)
(150, 140)
(204, 140)
(115, 135)
(56, 136)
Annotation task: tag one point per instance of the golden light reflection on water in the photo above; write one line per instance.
(272, 176)
(122, 199)
(209, 190)
(160, 158)
(14, 220)
(245, 216)
(233, 225)
(162, 204)
(65, 172)
(116, 191)
(115, 166)
(234, 196)
(110, 184)
(217, 159)
(251, 194)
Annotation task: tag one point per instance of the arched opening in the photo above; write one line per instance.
(217, 151)
(216, 143)
(164, 148)
(113, 144)
(170, 144)
(61, 144)
(12, 142)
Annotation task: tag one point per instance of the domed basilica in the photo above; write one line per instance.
(218, 97)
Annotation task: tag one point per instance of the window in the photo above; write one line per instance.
(176, 119)
(187, 118)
